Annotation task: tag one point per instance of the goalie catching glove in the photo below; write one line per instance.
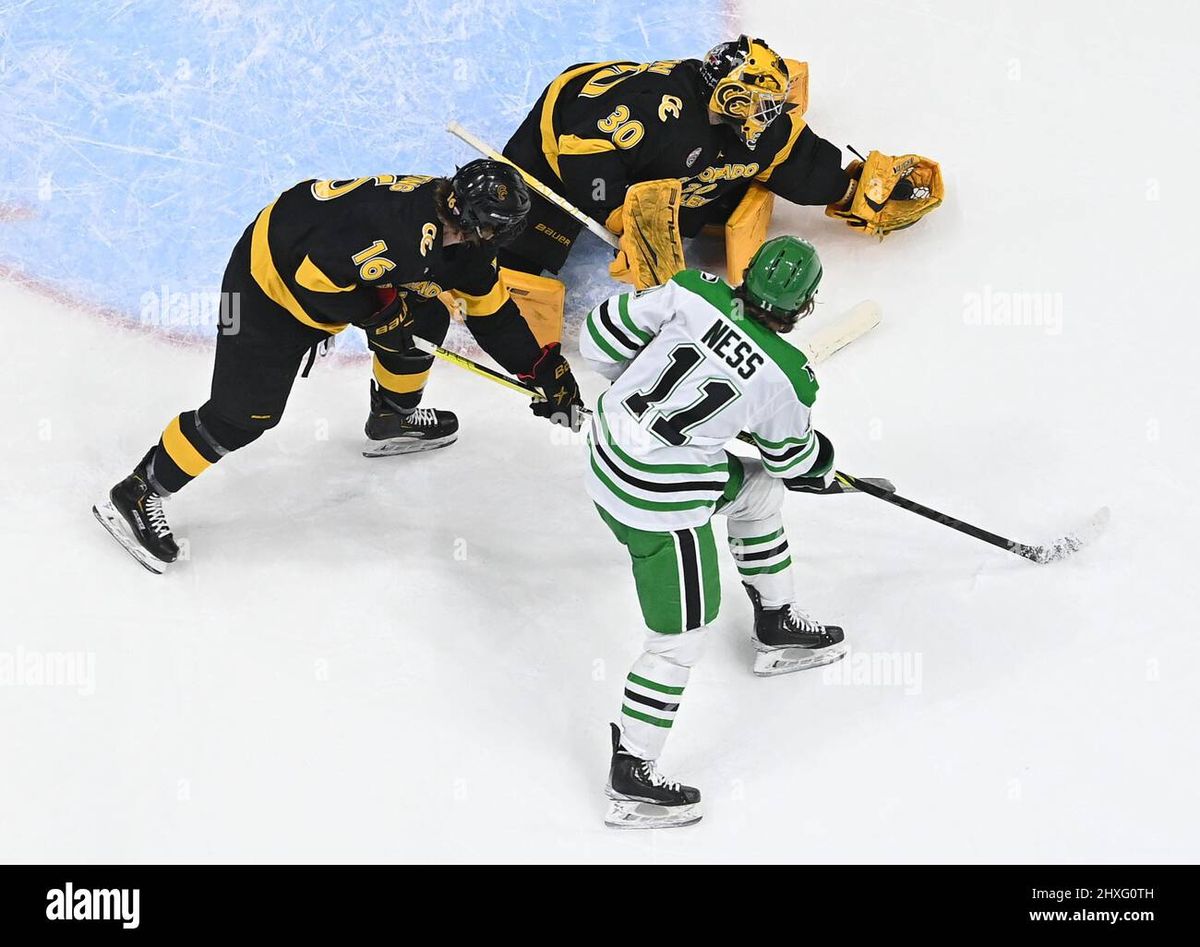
(553, 376)
(651, 249)
(889, 193)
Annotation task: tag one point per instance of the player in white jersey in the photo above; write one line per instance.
(694, 363)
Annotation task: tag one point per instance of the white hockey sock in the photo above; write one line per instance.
(763, 560)
(652, 692)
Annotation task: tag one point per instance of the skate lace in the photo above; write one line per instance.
(423, 417)
(155, 515)
(802, 621)
(651, 774)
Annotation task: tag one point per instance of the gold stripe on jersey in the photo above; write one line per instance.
(574, 145)
(399, 384)
(550, 143)
(182, 452)
(785, 152)
(262, 268)
(309, 275)
(486, 305)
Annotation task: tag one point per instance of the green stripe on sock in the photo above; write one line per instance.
(661, 688)
(645, 718)
(767, 570)
(755, 540)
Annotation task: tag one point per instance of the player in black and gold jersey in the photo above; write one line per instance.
(380, 253)
(658, 150)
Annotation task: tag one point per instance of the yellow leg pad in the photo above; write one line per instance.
(541, 300)
(180, 450)
(746, 230)
(798, 90)
(399, 384)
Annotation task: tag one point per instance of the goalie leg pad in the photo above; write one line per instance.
(651, 249)
(541, 300)
(746, 229)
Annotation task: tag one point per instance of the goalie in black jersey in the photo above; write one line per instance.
(656, 151)
(380, 253)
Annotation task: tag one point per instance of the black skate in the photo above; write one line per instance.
(785, 639)
(393, 431)
(642, 798)
(134, 517)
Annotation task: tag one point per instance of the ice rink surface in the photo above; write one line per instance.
(415, 658)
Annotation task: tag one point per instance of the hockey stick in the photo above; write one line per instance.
(1051, 552)
(859, 320)
(513, 384)
(880, 489)
(556, 199)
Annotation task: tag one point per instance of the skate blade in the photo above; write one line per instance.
(112, 521)
(636, 814)
(406, 445)
(789, 660)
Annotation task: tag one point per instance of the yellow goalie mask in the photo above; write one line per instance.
(748, 85)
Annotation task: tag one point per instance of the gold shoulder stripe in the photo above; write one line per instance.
(310, 276)
(574, 145)
(486, 305)
(549, 138)
(785, 152)
(262, 268)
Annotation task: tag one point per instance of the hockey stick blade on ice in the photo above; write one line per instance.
(1051, 552)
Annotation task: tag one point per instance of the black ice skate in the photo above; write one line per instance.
(393, 431)
(642, 798)
(134, 516)
(785, 639)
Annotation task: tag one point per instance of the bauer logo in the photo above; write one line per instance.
(1022, 310)
(94, 904)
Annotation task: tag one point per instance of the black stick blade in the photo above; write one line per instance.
(1066, 545)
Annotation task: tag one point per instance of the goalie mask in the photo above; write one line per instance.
(747, 82)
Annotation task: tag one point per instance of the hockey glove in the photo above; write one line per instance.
(392, 311)
(889, 193)
(820, 477)
(552, 374)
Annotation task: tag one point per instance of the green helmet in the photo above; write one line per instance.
(782, 277)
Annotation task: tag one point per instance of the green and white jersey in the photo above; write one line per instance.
(697, 372)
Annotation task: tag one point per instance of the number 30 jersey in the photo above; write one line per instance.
(697, 372)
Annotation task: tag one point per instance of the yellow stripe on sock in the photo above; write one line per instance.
(400, 384)
(180, 450)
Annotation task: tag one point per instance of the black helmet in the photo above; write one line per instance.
(489, 194)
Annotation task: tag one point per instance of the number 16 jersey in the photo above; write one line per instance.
(697, 371)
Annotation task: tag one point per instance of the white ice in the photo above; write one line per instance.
(416, 658)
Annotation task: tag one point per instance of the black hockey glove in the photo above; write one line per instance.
(552, 375)
(814, 483)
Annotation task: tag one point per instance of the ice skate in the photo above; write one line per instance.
(134, 517)
(786, 640)
(642, 798)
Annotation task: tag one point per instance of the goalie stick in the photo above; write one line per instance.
(1054, 551)
(823, 343)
